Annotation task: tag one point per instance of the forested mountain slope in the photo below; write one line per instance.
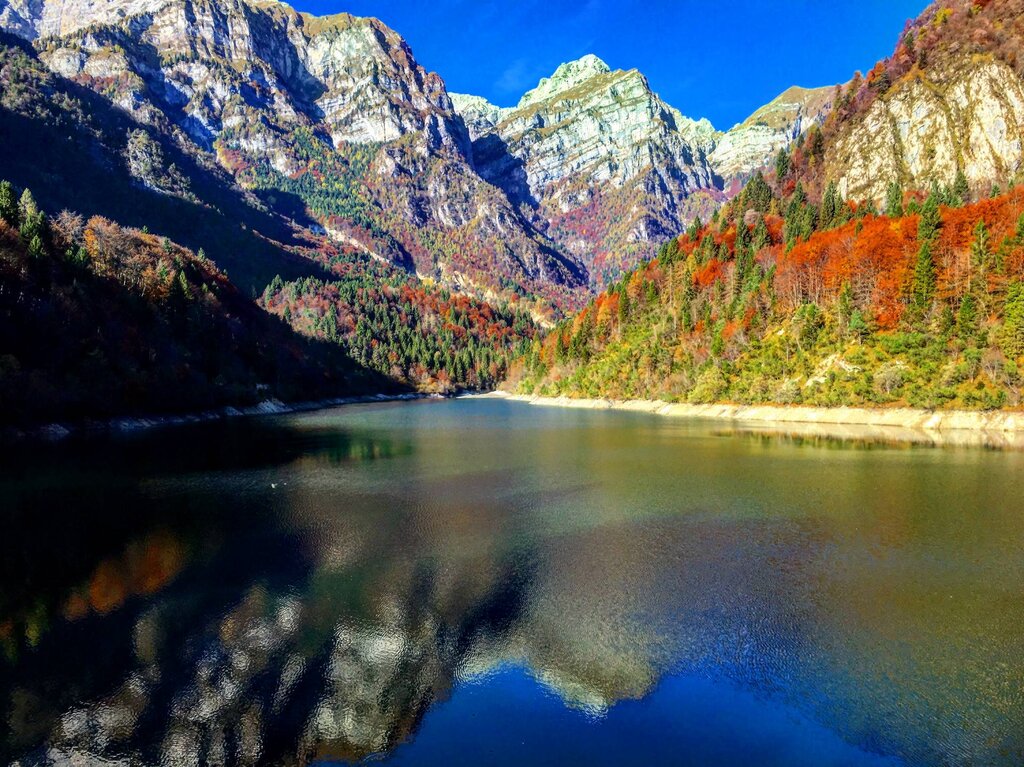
(877, 261)
(99, 320)
(77, 151)
(827, 305)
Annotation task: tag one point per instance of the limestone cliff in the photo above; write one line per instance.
(949, 100)
(969, 117)
(608, 166)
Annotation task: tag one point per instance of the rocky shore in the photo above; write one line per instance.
(1000, 428)
(58, 431)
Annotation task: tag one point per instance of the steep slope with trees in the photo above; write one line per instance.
(779, 300)
(98, 320)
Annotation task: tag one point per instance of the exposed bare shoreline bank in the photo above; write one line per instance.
(953, 427)
(58, 431)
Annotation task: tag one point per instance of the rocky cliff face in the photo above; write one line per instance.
(949, 99)
(966, 117)
(585, 176)
(607, 165)
(588, 123)
(272, 95)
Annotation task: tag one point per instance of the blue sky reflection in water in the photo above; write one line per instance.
(686, 720)
(396, 581)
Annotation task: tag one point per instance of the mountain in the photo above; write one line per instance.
(334, 126)
(597, 156)
(801, 290)
(98, 320)
(333, 115)
(949, 100)
(610, 169)
(129, 309)
(775, 126)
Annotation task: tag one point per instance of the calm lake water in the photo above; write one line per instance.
(489, 583)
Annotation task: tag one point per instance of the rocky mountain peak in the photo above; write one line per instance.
(745, 147)
(566, 77)
(332, 113)
(34, 19)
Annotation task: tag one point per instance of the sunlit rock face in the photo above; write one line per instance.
(610, 168)
(353, 74)
(600, 144)
(968, 115)
(588, 122)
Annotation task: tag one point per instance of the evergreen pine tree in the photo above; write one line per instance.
(1011, 334)
(928, 226)
(845, 304)
(8, 206)
(27, 207)
(967, 317)
(761, 235)
(830, 206)
(782, 164)
(981, 254)
(695, 226)
(961, 189)
(757, 194)
(742, 236)
(35, 247)
(894, 200)
(923, 289)
(32, 219)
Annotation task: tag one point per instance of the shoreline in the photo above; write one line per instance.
(56, 432)
(998, 428)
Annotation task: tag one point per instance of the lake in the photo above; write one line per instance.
(479, 581)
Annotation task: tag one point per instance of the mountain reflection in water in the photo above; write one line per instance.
(411, 580)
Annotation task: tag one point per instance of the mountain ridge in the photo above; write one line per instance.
(268, 94)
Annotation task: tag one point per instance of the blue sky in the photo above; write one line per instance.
(714, 59)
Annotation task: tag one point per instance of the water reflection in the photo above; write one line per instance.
(868, 437)
(312, 588)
